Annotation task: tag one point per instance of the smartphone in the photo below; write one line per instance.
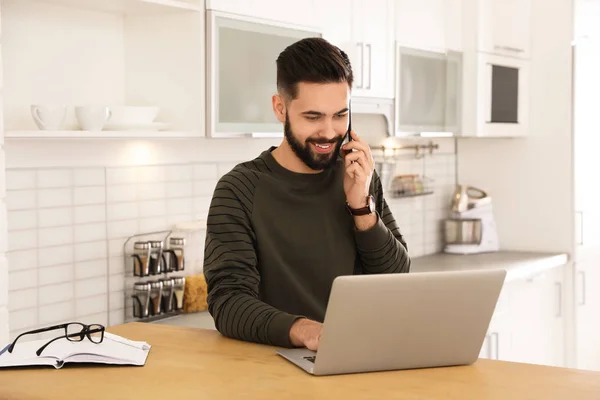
(347, 137)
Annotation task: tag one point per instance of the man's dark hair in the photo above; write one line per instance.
(311, 60)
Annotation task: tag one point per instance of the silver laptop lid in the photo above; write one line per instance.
(399, 321)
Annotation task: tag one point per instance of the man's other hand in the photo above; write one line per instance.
(306, 333)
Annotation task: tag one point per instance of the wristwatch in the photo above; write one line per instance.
(368, 209)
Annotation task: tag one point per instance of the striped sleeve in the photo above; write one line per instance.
(382, 249)
(230, 266)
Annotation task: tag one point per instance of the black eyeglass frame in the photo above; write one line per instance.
(85, 331)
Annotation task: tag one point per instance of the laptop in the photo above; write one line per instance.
(389, 322)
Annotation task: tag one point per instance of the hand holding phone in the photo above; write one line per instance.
(359, 166)
(347, 137)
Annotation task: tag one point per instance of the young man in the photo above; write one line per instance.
(284, 225)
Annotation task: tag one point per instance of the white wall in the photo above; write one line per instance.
(531, 179)
(4, 328)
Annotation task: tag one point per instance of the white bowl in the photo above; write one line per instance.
(133, 115)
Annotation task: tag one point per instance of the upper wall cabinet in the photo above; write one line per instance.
(292, 12)
(428, 92)
(504, 27)
(497, 43)
(365, 31)
(454, 24)
(429, 24)
(420, 24)
(97, 56)
(241, 72)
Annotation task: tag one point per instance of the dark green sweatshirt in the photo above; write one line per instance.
(277, 239)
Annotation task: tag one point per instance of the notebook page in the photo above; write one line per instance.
(24, 354)
(113, 350)
(108, 350)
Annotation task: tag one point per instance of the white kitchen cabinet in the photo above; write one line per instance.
(429, 24)
(109, 53)
(421, 24)
(374, 25)
(528, 323)
(496, 96)
(454, 24)
(587, 192)
(301, 13)
(538, 335)
(428, 92)
(496, 40)
(365, 31)
(504, 27)
(241, 73)
(587, 303)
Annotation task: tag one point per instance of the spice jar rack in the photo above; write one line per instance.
(410, 185)
(152, 292)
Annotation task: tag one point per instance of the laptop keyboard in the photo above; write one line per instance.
(311, 358)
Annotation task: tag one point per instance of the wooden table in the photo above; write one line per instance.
(191, 363)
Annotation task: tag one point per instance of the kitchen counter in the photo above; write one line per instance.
(518, 265)
(201, 319)
(187, 363)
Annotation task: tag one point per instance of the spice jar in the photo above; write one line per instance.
(141, 300)
(178, 289)
(141, 259)
(155, 297)
(177, 258)
(156, 257)
(167, 295)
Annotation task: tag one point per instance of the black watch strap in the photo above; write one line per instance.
(368, 209)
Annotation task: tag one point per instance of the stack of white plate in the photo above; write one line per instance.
(125, 118)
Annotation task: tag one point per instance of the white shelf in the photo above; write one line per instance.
(132, 7)
(38, 134)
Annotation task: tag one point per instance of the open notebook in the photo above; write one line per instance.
(114, 349)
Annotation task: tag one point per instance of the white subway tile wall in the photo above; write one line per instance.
(421, 218)
(67, 230)
(68, 227)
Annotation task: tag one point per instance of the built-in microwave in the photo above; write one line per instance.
(428, 92)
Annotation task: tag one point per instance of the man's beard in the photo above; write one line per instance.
(304, 152)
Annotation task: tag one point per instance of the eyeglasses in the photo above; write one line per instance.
(74, 332)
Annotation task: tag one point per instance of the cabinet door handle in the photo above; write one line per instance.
(582, 273)
(580, 213)
(559, 286)
(497, 352)
(509, 48)
(360, 45)
(370, 56)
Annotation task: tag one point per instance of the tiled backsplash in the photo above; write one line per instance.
(67, 228)
(420, 218)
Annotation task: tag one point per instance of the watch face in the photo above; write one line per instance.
(371, 204)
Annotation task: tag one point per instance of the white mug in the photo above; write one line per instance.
(92, 118)
(48, 117)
